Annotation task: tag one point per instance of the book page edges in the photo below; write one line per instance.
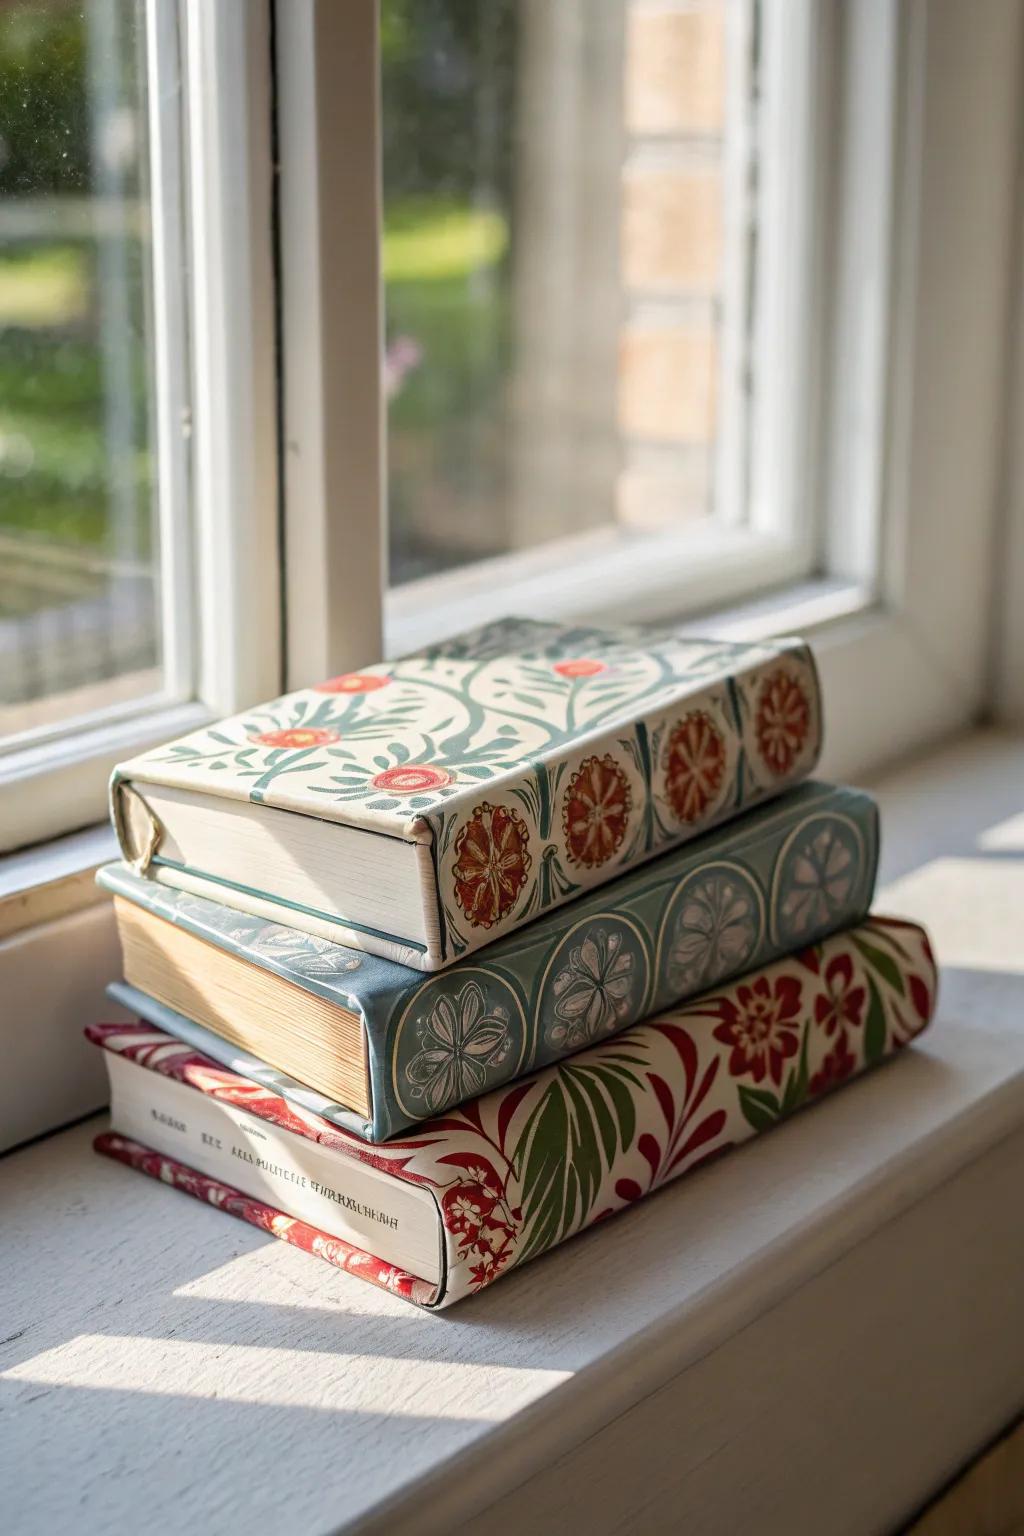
(154, 964)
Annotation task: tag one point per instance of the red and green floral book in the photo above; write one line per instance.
(505, 1177)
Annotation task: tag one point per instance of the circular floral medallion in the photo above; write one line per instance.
(712, 928)
(352, 682)
(595, 811)
(298, 736)
(761, 1022)
(416, 779)
(817, 871)
(580, 666)
(460, 1035)
(694, 765)
(594, 984)
(782, 721)
(492, 862)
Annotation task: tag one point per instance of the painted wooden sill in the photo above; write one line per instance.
(812, 1334)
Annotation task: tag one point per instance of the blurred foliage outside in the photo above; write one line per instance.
(448, 75)
(54, 462)
(448, 83)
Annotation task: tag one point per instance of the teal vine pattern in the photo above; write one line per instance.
(505, 716)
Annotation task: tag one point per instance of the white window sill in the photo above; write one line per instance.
(53, 879)
(52, 782)
(867, 652)
(812, 1334)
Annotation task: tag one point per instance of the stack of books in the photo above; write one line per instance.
(436, 964)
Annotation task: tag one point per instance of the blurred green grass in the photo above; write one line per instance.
(446, 278)
(446, 282)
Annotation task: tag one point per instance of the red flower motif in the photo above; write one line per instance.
(841, 1002)
(484, 1272)
(580, 666)
(694, 765)
(838, 1064)
(809, 958)
(782, 722)
(298, 736)
(595, 811)
(476, 1212)
(416, 779)
(353, 682)
(491, 864)
(760, 1026)
(465, 1208)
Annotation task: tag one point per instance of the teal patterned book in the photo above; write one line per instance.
(425, 807)
(779, 878)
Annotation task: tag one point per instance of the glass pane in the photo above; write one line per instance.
(563, 265)
(79, 610)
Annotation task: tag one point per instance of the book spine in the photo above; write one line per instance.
(218, 1137)
(804, 869)
(333, 1250)
(522, 1169)
(575, 819)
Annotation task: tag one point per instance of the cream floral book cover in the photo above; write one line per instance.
(529, 762)
(521, 1169)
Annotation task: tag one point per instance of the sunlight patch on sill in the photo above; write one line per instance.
(282, 1378)
(963, 902)
(1005, 837)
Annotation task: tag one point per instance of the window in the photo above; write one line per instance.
(331, 327)
(110, 458)
(556, 222)
(585, 218)
(81, 615)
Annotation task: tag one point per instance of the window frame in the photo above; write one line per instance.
(910, 217)
(215, 429)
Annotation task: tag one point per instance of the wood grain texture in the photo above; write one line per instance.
(988, 1500)
(162, 1363)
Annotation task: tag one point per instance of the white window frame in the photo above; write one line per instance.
(216, 419)
(907, 220)
(755, 542)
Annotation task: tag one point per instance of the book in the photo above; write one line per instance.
(385, 1046)
(427, 806)
(506, 1177)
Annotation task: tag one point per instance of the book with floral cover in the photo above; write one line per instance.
(512, 1174)
(427, 806)
(394, 1047)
